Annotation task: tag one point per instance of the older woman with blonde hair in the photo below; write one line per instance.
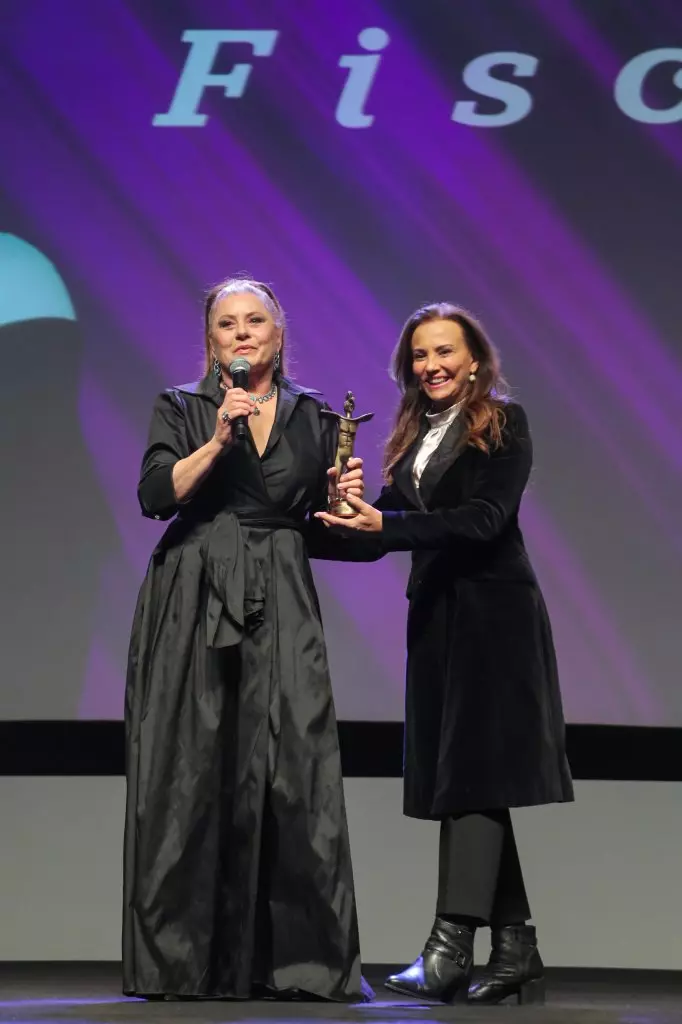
(238, 877)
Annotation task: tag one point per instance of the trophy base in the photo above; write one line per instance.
(342, 509)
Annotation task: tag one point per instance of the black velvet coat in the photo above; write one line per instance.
(237, 863)
(484, 725)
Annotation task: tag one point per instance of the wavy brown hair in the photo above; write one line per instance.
(484, 398)
(237, 286)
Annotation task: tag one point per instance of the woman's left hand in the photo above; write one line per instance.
(367, 520)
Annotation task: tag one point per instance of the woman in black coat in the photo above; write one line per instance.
(238, 878)
(484, 727)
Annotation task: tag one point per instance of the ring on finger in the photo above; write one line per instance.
(225, 417)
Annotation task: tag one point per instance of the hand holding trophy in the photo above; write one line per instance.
(348, 426)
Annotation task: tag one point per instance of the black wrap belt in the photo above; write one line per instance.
(236, 597)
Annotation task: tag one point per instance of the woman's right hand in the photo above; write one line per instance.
(236, 403)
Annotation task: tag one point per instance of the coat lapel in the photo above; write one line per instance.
(287, 398)
(447, 452)
(402, 474)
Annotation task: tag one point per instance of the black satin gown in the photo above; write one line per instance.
(237, 876)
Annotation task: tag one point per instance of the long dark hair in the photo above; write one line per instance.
(237, 286)
(484, 399)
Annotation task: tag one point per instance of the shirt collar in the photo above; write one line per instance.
(209, 386)
(444, 418)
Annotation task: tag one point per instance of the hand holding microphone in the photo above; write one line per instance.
(233, 415)
(239, 372)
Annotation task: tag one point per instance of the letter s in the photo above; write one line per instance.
(518, 101)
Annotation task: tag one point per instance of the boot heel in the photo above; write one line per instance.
(532, 993)
(460, 995)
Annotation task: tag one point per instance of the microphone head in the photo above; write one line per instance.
(239, 365)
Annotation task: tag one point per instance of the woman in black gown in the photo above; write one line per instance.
(238, 877)
(484, 727)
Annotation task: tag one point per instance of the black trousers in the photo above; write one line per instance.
(479, 873)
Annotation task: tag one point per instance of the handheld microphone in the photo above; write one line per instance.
(239, 372)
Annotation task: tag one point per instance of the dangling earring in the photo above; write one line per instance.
(277, 363)
(217, 369)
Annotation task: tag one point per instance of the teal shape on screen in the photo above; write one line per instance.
(31, 287)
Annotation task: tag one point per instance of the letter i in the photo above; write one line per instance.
(363, 69)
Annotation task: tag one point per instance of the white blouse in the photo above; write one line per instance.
(438, 425)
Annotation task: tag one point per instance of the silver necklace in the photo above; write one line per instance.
(258, 399)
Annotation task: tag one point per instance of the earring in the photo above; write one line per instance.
(217, 369)
(472, 377)
(277, 363)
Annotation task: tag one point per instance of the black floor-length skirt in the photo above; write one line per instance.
(237, 862)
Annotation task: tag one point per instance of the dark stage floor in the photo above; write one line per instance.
(84, 993)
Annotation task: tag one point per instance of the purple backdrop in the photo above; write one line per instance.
(362, 173)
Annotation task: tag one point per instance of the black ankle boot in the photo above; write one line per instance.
(443, 971)
(515, 968)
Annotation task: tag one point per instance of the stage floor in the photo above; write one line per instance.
(84, 993)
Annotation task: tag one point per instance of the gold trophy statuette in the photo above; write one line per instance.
(348, 427)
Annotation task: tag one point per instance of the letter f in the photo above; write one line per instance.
(196, 74)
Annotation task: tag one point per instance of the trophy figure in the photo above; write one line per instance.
(348, 426)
